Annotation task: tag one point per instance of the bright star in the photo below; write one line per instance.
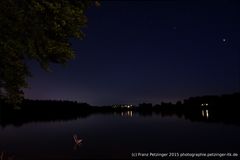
(224, 40)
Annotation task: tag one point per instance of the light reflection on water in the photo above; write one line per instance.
(117, 136)
(205, 113)
(127, 114)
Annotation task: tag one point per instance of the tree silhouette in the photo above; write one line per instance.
(37, 30)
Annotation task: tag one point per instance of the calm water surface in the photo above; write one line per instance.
(107, 136)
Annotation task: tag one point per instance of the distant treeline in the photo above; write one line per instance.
(225, 108)
(229, 101)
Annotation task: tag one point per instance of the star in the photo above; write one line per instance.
(224, 40)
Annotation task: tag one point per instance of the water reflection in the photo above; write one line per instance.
(5, 156)
(127, 114)
(108, 136)
(76, 146)
(227, 116)
(205, 113)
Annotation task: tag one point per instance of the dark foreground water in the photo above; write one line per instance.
(115, 136)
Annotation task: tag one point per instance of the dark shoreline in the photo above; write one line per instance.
(217, 109)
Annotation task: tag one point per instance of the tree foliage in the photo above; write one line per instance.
(38, 30)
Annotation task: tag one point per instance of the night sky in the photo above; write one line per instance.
(148, 51)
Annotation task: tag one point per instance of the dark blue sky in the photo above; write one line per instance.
(149, 51)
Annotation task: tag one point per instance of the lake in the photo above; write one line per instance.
(117, 135)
